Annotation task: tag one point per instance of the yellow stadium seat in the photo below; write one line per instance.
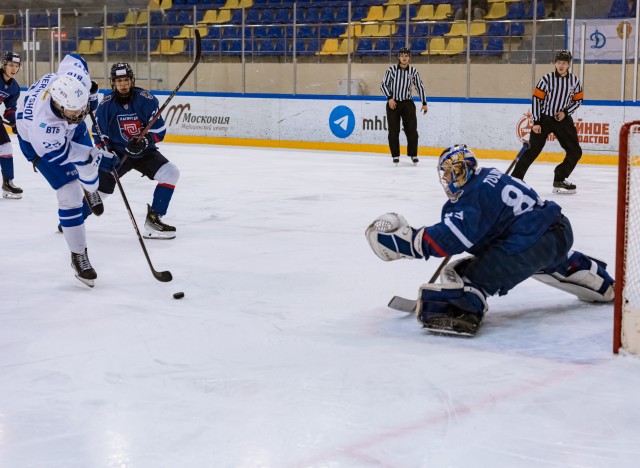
(164, 47)
(391, 13)
(425, 13)
(497, 10)
(369, 30)
(346, 46)
(330, 46)
(96, 46)
(209, 17)
(164, 4)
(245, 3)
(458, 28)
(187, 33)
(84, 46)
(386, 30)
(478, 28)
(356, 31)
(402, 2)
(130, 19)
(455, 45)
(443, 11)
(224, 16)
(375, 13)
(177, 47)
(143, 17)
(436, 46)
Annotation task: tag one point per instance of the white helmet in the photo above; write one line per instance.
(70, 95)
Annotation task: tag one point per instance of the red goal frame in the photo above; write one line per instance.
(621, 232)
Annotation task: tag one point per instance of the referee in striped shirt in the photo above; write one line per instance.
(557, 95)
(396, 86)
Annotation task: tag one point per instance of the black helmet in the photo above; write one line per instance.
(404, 50)
(563, 55)
(120, 70)
(9, 56)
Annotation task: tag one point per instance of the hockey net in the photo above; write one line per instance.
(627, 286)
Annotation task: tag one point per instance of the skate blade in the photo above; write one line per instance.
(561, 191)
(88, 282)
(11, 196)
(448, 332)
(159, 235)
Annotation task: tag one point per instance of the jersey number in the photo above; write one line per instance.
(512, 196)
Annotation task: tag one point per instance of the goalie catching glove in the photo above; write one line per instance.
(391, 238)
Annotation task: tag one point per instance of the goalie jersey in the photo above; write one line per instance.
(493, 210)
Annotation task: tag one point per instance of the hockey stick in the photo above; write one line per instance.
(163, 276)
(408, 305)
(196, 61)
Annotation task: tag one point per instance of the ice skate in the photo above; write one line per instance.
(9, 190)
(414, 160)
(95, 202)
(396, 160)
(154, 228)
(82, 266)
(564, 187)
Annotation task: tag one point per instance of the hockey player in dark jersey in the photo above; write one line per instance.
(511, 233)
(122, 116)
(9, 93)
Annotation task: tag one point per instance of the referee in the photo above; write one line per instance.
(557, 95)
(396, 86)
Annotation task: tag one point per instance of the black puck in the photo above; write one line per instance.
(178, 295)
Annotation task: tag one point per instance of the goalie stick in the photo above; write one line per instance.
(164, 276)
(409, 305)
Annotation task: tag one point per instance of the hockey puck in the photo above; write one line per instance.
(178, 295)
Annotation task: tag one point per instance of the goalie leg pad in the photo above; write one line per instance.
(452, 307)
(582, 276)
(391, 238)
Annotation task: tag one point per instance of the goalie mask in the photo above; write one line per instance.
(455, 167)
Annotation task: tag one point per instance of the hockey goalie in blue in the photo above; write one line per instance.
(511, 234)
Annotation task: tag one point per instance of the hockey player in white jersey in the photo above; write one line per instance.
(54, 138)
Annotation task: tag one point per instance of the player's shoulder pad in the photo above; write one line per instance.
(145, 94)
(107, 98)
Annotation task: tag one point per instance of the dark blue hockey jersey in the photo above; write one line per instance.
(493, 210)
(121, 122)
(9, 93)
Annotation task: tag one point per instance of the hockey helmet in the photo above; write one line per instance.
(10, 57)
(563, 55)
(456, 166)
(122, 70)
(404, 51)
(71, 98)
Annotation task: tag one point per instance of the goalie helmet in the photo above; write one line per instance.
(563, 55)
(71, 98)
(455, 167)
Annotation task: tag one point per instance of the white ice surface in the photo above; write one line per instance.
(283, 352)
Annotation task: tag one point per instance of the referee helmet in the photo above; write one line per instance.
(404, 50)
(563, 55)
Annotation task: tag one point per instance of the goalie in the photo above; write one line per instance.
(511, 233)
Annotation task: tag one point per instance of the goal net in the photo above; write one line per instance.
(627, 287)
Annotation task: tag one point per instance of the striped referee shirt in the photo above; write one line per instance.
(397, 83)
(555, 93)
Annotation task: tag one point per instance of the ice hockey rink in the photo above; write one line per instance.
(283, 353)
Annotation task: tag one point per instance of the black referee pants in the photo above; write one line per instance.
(405, 111)
(566, 134)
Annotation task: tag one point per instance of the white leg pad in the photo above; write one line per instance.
(583, 283)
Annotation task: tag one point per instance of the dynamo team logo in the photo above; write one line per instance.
(342, 122)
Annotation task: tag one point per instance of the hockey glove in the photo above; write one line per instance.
(391, 238)
(134, 148)
(93, 96)
(14, 128)
(105, 160)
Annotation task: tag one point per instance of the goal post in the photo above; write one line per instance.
(626, 323)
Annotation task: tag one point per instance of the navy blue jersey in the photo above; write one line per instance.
(121, 122)
(494, 210)
(9, 93)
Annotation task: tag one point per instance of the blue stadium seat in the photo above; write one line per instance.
(301, 46)
(230, 32)
(440, 29)
(311, 15)
(383, 46)
(365, 46)
(306, 31)
(495, 46)
(342, 14)
(260, 31)
(620, 9)
(517, 29)
(476, 46)
(253, 16)
(279, 46)
(418, 44)
(420, 30)
(268, 15)
(497, 29)
(313, 46)
(210, 45)
(265, 47)
(516, 11)
(540, 11)
(358, 13)
(326, 15)
(282, 15)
